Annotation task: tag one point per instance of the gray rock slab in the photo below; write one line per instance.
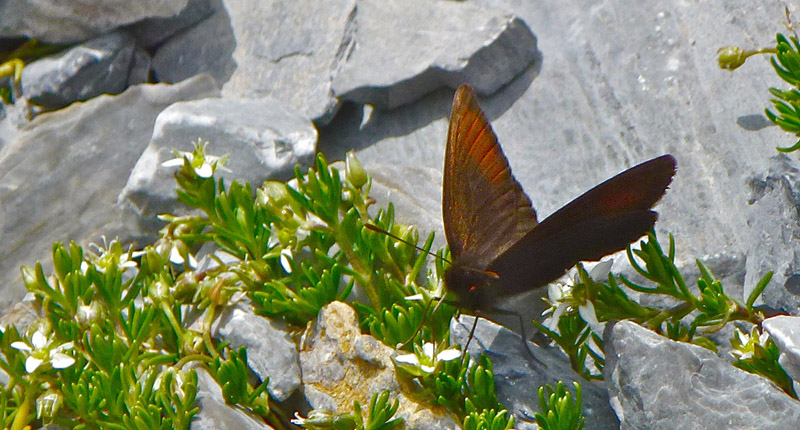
(215, 413)
(403, 49)
(204, 47)
(288, 51)
(656, 383)
(98, 66)
(263, 138)
(140, 67)
(772, 219)
(271, 353)
(391, 183)
(61, 174)
(68, 21)
(618, 84)
(341, 365)
(149, 32)
(518, 376)
(785, 331)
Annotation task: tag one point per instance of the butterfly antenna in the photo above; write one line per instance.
(375, 228)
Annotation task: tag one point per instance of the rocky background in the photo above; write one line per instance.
(576, 90)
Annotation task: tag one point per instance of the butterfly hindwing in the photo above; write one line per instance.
(602, 221)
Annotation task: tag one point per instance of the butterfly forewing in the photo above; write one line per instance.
(484, 208)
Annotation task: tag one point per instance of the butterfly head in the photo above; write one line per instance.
(471, 287)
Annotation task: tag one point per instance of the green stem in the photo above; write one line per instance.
(21, 419)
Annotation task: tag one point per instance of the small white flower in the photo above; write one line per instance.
(40, 350)
(87, 313)
(748, 342)
(560, 296)
(204, 170)
(427, 361)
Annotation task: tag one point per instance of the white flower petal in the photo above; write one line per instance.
(742, 337)
(85, 313)
(128, 264)
(286, 254)
(427, 369)
(600, 270)
(560, 309)
(407, 359)
(415, 297)
(204, 171)
(587, 313)
(175, 256)
(192, 261)
(554, 292)
(31, 364)
(174, 162)
(38, 340)
(21, 346)
(273, 239)
(427, 349)
(65, 346)
(62, 361)
(313, 221)
(448, 354)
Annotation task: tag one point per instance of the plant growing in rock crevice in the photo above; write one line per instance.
(115, 341)
(579, 308)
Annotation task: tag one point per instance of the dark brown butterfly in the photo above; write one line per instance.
(497, 247)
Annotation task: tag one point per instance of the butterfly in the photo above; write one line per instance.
(497, 247)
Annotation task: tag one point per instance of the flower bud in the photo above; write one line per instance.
(355, 171)
(731, 57)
